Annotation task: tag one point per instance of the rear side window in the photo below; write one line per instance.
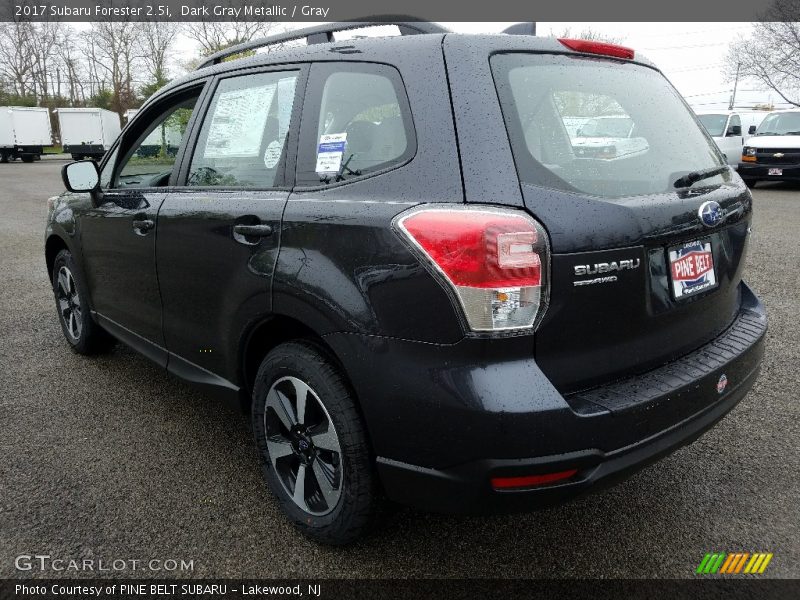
(242, 142)
(598, 127)
(361, 123)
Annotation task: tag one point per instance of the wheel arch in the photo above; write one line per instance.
(54, 244)
(267, 335)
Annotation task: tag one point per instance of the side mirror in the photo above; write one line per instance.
(752, 130)
(735, 130)
(81, 176)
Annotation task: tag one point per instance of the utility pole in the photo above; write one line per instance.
(735, 85)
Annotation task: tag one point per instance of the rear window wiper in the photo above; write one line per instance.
(696, 176)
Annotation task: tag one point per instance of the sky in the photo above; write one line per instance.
(691, 55)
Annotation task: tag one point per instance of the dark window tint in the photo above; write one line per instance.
(243, 139)
(361, 124)
(633, 134)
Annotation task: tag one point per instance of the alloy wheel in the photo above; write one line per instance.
(69, 303)
(303, 446)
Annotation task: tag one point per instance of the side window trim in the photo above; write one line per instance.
(124, 141)
(199, 117)
(306, 152)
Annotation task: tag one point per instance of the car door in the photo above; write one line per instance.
(735, 140)
(219, 230)
(118, 235)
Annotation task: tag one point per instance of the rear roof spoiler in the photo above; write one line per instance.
(321, 34)
(521, 29)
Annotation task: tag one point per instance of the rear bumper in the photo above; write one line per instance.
(444, 424)
(791, 172)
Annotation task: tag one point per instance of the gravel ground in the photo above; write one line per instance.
(110, 458)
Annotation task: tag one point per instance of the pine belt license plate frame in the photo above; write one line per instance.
(691, 269)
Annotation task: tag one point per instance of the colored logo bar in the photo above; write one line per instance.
(734, 563)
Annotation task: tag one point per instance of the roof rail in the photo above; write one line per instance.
(321, 34)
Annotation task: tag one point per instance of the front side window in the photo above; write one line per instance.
(242, 142)
(150, 161)
(714, 124)
(734, 126)
(599, 127)
(362, 124)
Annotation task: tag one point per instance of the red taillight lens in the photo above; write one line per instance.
(494, 259)
(478, 249)
(593, 47)
(527, 481)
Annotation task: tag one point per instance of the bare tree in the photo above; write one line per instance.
(771, 54)
(588, 34)
(156, 40)
(43, 47)
(213, 36)
(114, 52)
(16, 58)
(74, 68)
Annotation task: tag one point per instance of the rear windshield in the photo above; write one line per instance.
(598, 126)
(714, 124)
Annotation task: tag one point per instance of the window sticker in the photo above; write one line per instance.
(272, 154)
(238, 122)
(330, 152)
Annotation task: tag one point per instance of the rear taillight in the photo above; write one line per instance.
(495, 260)
(593, 47)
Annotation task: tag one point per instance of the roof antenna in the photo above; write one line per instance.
(521, 29)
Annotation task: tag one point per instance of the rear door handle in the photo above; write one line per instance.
(143, 225)
(253, 230)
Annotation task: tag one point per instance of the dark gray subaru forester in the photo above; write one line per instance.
(464, 273)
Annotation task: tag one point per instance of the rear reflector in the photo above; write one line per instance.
(527, 481)
(592, 47)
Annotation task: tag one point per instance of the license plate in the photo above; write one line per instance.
(775, 172)
(691, 268)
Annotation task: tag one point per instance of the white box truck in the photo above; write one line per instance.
(24, 131)
(87, 132)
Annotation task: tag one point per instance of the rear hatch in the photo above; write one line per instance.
(646, 264)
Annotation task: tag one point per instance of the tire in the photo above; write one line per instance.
(77, 157)
(343, 509)
(751, 183)
(3, 158)
(81, 332)
(27, 158)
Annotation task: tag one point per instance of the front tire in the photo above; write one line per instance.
(751, 183)
(313, 445)
(81, 332)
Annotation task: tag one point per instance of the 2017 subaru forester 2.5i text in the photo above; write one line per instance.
(390, 252)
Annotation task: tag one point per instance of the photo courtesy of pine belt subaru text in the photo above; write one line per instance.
(466, 273)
